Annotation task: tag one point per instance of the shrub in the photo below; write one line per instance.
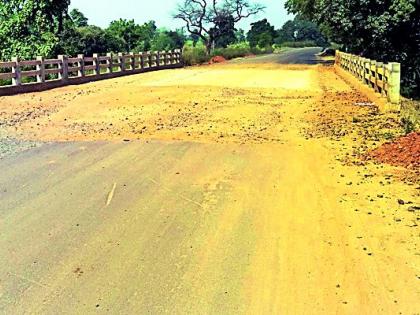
(194, 55)
(300, 44)
(233, 51)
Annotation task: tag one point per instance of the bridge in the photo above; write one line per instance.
(231, 188)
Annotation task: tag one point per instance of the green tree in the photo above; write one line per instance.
(203, 18)
(93, 39)
(31, 27)
(147, 32)
(127, 30)
(223, 31)
(167, 40)
(383, 30)
(261, 31)
(78, 18)
(300, 29)
(240, 35)
(136, 37)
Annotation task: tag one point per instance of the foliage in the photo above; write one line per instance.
(233, 51)
(93, 39)
(134, 35)
(194, 55)
(382, 30)
(297, 44)
(167, 40)
(300, 30)
(240, 36)
(78, 18)
(262, 34)
(223, 31)
(197, 55)
(30, 27)
(213, 20)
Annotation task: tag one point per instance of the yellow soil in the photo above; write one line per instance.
(283, 217)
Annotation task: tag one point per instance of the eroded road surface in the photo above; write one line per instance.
(225, 189)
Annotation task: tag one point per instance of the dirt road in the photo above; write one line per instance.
(225, 189)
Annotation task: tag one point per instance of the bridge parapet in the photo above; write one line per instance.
(385, 79)
(20, 76)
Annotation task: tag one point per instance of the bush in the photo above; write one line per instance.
(233, 51)
(194, 55)
(300, 44)
(197, 55)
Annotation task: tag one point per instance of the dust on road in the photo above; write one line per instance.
(224, 189)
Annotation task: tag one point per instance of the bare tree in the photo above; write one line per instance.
(203, 16)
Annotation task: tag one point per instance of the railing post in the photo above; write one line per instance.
(64, 66)
(141, 60)
(81, 72)
(157, 58)
(40, 78)
(109, 63)
(121, 61)
(149, 58)
(175, 56)
(394, 82)
(96, 63)
(132, 61)
(17, 80)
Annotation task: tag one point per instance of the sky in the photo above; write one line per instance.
(102, 12)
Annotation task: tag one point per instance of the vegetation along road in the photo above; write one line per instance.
(224, 189)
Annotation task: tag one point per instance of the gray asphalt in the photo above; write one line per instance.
(294, 56)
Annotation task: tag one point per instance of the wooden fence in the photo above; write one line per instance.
(383, 78)
(41, 74)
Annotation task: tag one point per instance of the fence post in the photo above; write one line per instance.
(121, 61)
(81, 72)
(40, 78)
(17, 80)
(132, 61)
(157, 58)
(394, 83)
(175, 56)
(96, 63)
(141, 60)
(64, 75)
(150, 58)
(109, 63)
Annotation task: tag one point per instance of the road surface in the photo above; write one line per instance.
(227, 189)
(294, 56)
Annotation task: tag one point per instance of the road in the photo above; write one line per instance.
(294, 56)
(225, 189)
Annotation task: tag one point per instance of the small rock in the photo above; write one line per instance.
(413, 209)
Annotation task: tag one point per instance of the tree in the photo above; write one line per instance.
(167, 40)
(300, 29)
(147, 32)
(263, 32)
(30, 27)
(240, 35)
(383, 30)
(78, 18)
(202, 17)
(127, 30)
(223, 31)
(93, 39)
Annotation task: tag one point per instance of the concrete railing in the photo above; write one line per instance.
(45, 74)
(383, 78)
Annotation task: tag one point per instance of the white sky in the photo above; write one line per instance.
(102, 12)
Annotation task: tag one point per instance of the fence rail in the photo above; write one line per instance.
(383, 78)
(42, 74)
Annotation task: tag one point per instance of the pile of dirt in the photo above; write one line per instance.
(404, 151)
(217, 59)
